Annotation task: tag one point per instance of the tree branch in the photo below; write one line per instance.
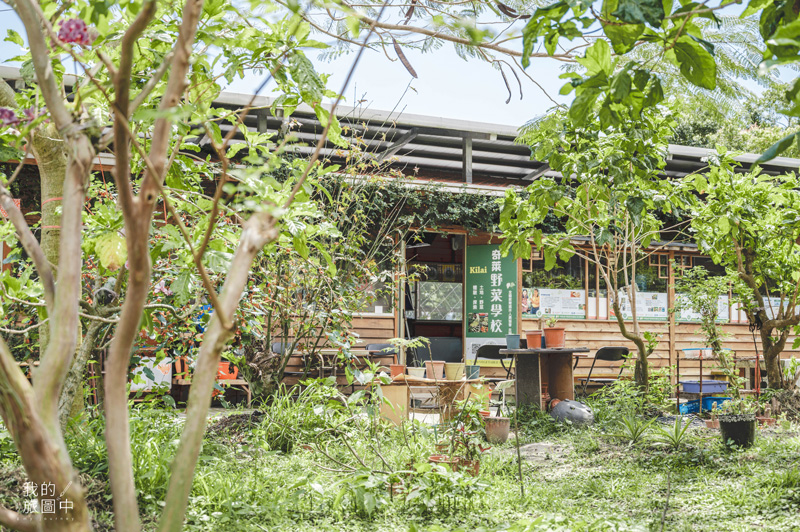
(17, 521)
(31, 246)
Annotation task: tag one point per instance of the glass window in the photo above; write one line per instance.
(439, 301)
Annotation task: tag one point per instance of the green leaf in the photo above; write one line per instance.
(776, 149)
(112, 251)
(182, 287)
(16, 38)
(621, 86)
(655, 94)
(640, 11)
(622, 36)
(301, 245)
(696, 63)
(582, 105)
(724, 224)
(597, 58)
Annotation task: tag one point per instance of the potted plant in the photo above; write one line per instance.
(554, 336)
(534, 339)
(497, 428)
(766, 419)
(467, 436)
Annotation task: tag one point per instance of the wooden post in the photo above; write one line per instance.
(672, 326)
(400, 314)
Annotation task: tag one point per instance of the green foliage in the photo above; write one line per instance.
(674, 436)
(298, 415)
(746, 222)
(700, 293)
(633, 429)
(624, 398)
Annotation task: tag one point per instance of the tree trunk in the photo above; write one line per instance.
(772, 358)
(71, 401)
(48, 149)
(641, 371)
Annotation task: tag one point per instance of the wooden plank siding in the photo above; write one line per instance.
(595, 334)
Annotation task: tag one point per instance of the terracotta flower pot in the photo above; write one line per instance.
(434, 369)
(397, 369)
(469, 466)
(442, 447)
(497, 429)
(764, 421)
(712, 423)
(554, 337)
(445, 460)
(534, 339)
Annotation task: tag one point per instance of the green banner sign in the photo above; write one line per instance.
(491, 293)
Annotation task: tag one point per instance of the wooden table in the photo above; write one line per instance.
(556, 363)
(398, 397)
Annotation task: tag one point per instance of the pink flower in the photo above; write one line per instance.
(8, 117)
(75, 31)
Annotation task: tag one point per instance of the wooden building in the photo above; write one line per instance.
(476, 158)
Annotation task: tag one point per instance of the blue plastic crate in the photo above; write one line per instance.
(693, 407)
(708, 386)
(708, 402)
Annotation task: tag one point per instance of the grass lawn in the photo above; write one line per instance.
(297, 465)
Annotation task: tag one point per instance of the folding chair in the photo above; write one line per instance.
(609, 354)
(492, 352)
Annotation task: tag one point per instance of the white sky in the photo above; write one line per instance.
(447, 86)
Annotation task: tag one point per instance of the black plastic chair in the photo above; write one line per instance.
(609, 354)
(383, 349)
(492, 352)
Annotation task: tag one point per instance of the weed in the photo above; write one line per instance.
(674, 436)
(633, 428)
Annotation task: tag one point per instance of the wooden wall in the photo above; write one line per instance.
(595, 334)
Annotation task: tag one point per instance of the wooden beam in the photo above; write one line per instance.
(410, 135)
(466, 160)
(537, 173)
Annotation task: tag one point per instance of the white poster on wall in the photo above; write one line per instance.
(650, 306)
(723, 309)
(473, 344)
(554, 302)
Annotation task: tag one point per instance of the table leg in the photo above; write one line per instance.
(561, 383)
(529, 380)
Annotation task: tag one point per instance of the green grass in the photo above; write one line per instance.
(260, 478)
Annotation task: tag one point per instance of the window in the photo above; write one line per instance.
(439, 301)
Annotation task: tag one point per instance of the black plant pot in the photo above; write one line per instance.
(738, 430)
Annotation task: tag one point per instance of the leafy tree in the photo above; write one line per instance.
(147, 87)
(609, 193)
(752, 128)
(747, 222)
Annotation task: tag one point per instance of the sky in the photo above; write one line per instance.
(447, 86)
